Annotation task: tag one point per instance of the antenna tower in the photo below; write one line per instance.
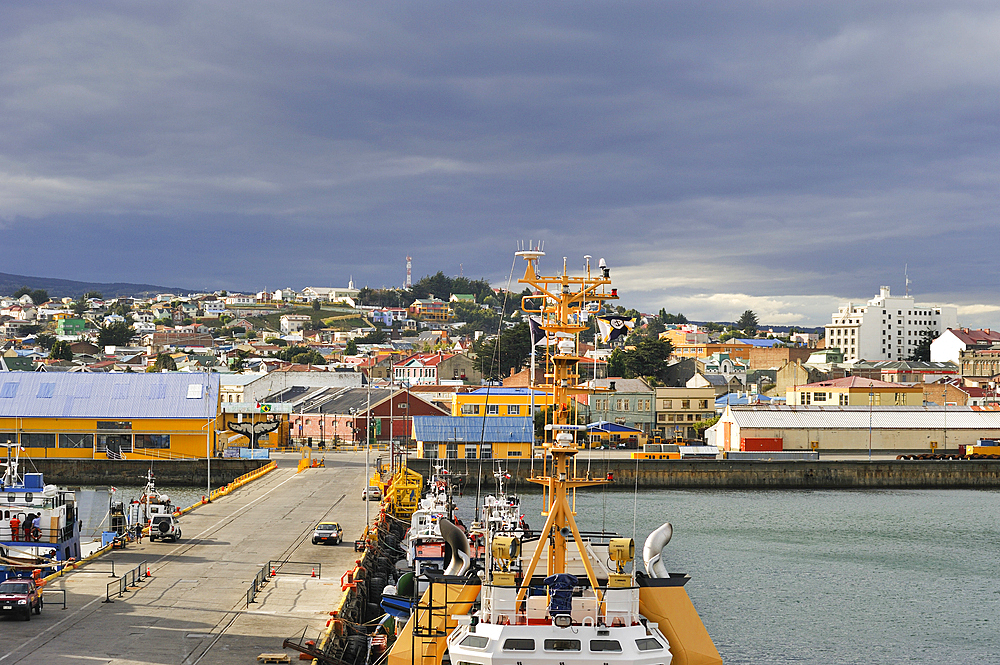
(409, 283)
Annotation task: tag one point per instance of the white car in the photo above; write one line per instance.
(371, 493)
(164, 527)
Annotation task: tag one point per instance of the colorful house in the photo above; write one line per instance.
(499, 402)
(450, 437)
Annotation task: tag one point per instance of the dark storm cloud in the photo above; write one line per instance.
(784, 154)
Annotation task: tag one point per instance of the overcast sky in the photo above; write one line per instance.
(778, 156)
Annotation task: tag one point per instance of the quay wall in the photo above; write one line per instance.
(755, 474)
(131, 472)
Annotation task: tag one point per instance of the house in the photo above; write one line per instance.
(718, 382)
(904, 371)
(433, 368)
(20, 312)
(329, 294)
(431, 309)
(70, 326)
(855, 391)
(450, 437)
(735, 350)
(627, 402)
(679, 409)
(499, 402)
(213, 308)
(239, 300)
(163, 339)
(950, 344)
(293, 323)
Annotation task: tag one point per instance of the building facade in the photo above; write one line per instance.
(855, 391)
(630, 403)
(887, 327)
(679, 409)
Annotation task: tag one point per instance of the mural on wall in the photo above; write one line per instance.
(254, 430)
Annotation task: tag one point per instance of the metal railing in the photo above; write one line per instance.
(259, 580)
(131, 578)
(49, 592)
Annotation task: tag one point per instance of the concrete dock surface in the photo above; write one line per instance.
(193, 607)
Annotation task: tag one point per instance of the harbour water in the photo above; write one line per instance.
(838, 577)
(94, 501)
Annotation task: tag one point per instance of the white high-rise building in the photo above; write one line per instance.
(887, 327)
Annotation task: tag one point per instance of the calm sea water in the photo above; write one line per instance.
(822, 576)
(93, 502)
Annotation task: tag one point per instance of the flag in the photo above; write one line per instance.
(537, 334)
(613, 327)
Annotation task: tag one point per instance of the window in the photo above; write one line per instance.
(470, 409)
(518, 644)
(486, 451)
(470, 451)
(513, 453)
(152, 440)
(605, 645)
(76, 440)
(114, 425)
(843, 399)
(562, 645)
(114, 442)
(475, 641)
(661, 417)
(806, 398)
(621, 404)
(431, 451)
(703, 404)
(819, 397)
(647, 644)
(685, 404)
(666, 404)
(452, 451)
(514, 410)
(34, 440)
(493, 409)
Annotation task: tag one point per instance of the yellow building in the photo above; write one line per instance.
(90, 415)
(695, 350)
(497, 401)
(855, 391)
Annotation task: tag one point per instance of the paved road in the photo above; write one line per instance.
(193, 608)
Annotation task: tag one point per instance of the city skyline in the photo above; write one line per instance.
(784, 159)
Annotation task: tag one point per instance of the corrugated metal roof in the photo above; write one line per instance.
(861, 417)
(119, 396)
(471, 428)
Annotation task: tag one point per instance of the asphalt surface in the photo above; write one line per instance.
(193, 608)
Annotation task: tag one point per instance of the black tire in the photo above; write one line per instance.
(152, 538)
(314, 541)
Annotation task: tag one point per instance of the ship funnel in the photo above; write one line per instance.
(653, 549)
(458, 545)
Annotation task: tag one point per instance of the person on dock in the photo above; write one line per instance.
(137, 530)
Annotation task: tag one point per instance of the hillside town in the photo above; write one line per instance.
(450, 373)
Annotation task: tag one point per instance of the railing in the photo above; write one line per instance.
(297, 568)
(49, 592)
(131, 578)
(620, 606)
(260, 579)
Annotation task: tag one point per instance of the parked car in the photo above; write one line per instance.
(165, 527)
(328, 533)
(20, 596)
(371, 493)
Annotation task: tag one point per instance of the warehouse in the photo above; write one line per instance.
(109, 415)
(851, 429)
(471, 437)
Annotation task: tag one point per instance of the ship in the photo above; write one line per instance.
(39, 525)
(549, 597)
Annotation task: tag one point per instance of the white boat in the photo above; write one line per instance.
(424, 544)
(149, 503)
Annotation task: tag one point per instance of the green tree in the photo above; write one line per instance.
(79, 307)
(96, 295)
(163, 362)
(302, 355)
(543, 417)
(45, 340)
(922, 352)
(61, 351)
(496, 360)
(351, 349)
(648, 359)
(748, 323)
(115, 334)
(376, 336)
(315, 305)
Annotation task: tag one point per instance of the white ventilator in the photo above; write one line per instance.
(653, 549)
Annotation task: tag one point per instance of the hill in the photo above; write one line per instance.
(68, 288)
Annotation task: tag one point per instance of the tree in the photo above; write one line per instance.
(496, 360)
(163, 362)
(748, 323)
(351, 349)
(61, 351)
(922, 352)
(376, 336)
(302, 355)
(115, 334)
(647, 360)
(544, 417)
(45, 340)
(79, 307)
(671, 318)
(96, 295)
(315, 305)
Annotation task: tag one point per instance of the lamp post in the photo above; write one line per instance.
(871, 400)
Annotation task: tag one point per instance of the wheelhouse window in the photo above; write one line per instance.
(647, 644)
(518, 644)
(606, 645)
(475, 641)
(562, 645)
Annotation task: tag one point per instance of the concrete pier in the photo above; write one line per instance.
(193, 608)
(130, 472)
(759, 475)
